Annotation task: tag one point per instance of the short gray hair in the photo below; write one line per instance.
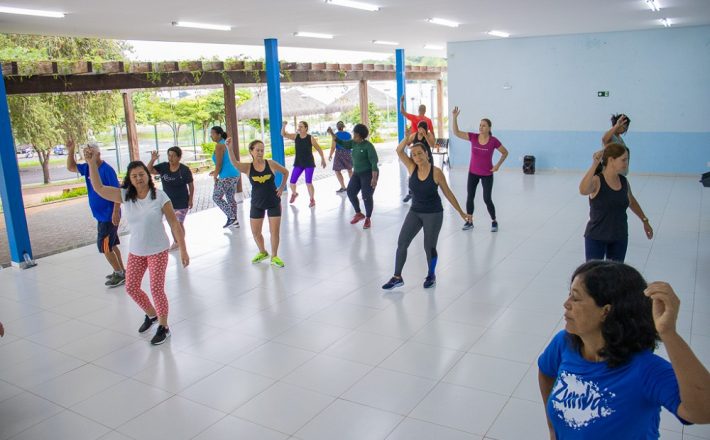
(93, 146)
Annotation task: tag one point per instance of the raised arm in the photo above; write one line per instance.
(606, 138)
(693, 378)
(109, 193)
(345, 144)
(403, 157)
(440, 180)
(285, 134)
(314, 144)
(284, 175)
(590, 183)
(455, 124)
(241, 166)
(153, 158)
(431, 139)
(332, 149)
(636, 209)
(402, 107)
(71, 160)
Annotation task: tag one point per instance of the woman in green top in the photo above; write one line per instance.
(365, 172)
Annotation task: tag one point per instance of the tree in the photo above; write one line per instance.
(352, 116)
(50, 119)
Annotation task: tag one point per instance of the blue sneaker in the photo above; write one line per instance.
(393, 282)
(429, 281)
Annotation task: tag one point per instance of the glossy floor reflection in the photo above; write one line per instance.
(317, 350)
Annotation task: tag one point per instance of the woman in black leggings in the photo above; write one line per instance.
(426, 212)
(483, 144)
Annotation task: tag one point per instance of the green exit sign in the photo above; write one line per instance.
(603, 94)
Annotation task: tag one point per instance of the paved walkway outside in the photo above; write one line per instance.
(67, 225)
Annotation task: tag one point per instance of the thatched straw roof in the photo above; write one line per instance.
(351, 99)
(293, 103)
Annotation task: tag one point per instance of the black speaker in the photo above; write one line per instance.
(529, 164)
(705, 179)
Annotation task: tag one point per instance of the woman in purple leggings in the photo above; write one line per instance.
(304, 159)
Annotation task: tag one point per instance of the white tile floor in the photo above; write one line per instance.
(317, 350)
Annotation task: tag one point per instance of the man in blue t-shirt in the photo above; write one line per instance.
(106, 213)
(343, 156)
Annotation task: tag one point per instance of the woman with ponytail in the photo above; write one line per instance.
(607, 233)
(226, 178)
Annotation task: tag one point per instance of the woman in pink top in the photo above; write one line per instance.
(483, 144)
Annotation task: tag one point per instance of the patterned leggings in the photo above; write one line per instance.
(223, 196)
(135, 269)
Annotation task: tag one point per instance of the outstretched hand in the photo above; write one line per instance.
(329, 131)
(665, 307)
(154, 155)
(456, 112)
(229, 141)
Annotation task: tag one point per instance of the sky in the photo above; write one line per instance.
(160, 50)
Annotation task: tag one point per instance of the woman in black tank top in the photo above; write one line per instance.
(426, 212)
(607, 232)
(265, 197)
(303, 161)
(427, 139)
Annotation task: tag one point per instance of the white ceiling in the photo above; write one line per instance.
(403, 21)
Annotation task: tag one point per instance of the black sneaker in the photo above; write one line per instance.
(341, 190)
(109, 276)
(116, 280)
(161, 335)
(407, 198)
(147, 323)
(234, 224)
(429, 281)
(467, 226)
(494, 227)
(393, 282)
(229, 222)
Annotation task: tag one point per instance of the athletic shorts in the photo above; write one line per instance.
(257, 213)
(181, 214)
(107, 236)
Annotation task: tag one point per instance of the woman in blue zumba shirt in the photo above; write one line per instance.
(599, 378)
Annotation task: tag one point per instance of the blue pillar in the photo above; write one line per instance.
(18, 235)
(401, 91)
(273, 90)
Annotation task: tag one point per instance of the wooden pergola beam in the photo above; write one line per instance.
(163, 75)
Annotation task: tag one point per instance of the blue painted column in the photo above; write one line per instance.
(401, 91)
(273, 90)
(10, 187)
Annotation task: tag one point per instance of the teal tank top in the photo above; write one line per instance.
(228, 169)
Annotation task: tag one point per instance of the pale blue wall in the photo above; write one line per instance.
(541, 94)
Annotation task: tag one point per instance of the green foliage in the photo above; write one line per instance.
(353, 117)
(208, 147)
(72, 193)
(50, 119)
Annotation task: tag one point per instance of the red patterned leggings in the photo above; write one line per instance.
(156, 265)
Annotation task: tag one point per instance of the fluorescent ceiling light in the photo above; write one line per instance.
(499, 34)
(666, 22)
(356, 5)
(653, 5)
(386, 43)
(313, 35)
(433, 47)
(443, 22)
(212, 27)
(33, 12)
